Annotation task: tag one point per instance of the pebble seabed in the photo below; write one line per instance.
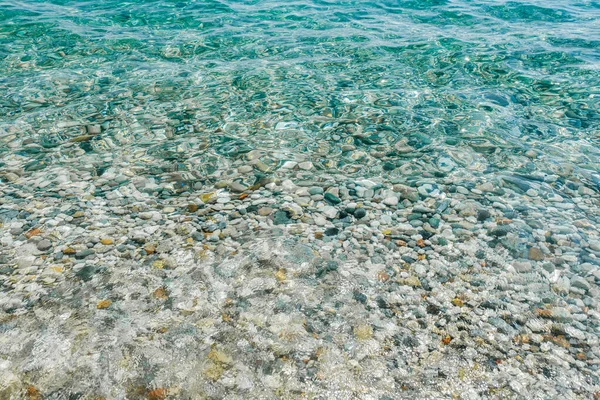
(299, 200)
(295, 281)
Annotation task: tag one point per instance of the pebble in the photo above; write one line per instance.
(44, 245)
(306, 165)
(391, 201)
(522, 266)
(535, 254)
(360, 213)
(265, 211)
(289, 165)
(329, 212)
(324, 272)
(237, 187)
(84, 253)
(332, 199)
(581, 283)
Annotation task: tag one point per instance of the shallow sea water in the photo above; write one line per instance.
(299, 199)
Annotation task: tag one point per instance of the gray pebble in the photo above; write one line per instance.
(44, 245)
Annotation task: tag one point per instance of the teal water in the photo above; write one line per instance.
(481, 81)
(299, 199)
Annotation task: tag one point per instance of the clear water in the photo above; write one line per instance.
(179, 94)
(479, 81)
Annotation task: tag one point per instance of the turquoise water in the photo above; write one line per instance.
(299, 199)
(482, 81)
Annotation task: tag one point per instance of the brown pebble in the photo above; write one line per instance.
(264, 211)
(161, 293)
(106, 241)
(535, 254)
(103, 304)
(544, 313)
(158, 394)
(32, 232)
(33, 393)
(558, 340)
(382, 276)
(192, 207)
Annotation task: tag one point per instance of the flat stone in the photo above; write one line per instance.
(391, 201)
(289, 165)
(237, 187)
(264, 211)
(84, 253)
(535, 254)
(44, 245)
(25, 261)
(329, 212)
(306, 165)
(93, 129)
(423, 210)
(581, 283)
(486, 187)
(522, 266)
(500, 231)
(11, 177)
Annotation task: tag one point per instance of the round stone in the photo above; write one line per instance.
(360, 213)
(44, 245)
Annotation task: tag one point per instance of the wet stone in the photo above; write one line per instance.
(93, 129)
(500, 231)
(360, 213)
(326, 267)
(581, 283)
(265, 211)
(332, 199)
(535, 254)
(331, 231)
(84, 254)
(237, 187)
(44, 245)
(270, 216)
(522, 266)
(87, 272)
(482, 215)
(281, 217)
